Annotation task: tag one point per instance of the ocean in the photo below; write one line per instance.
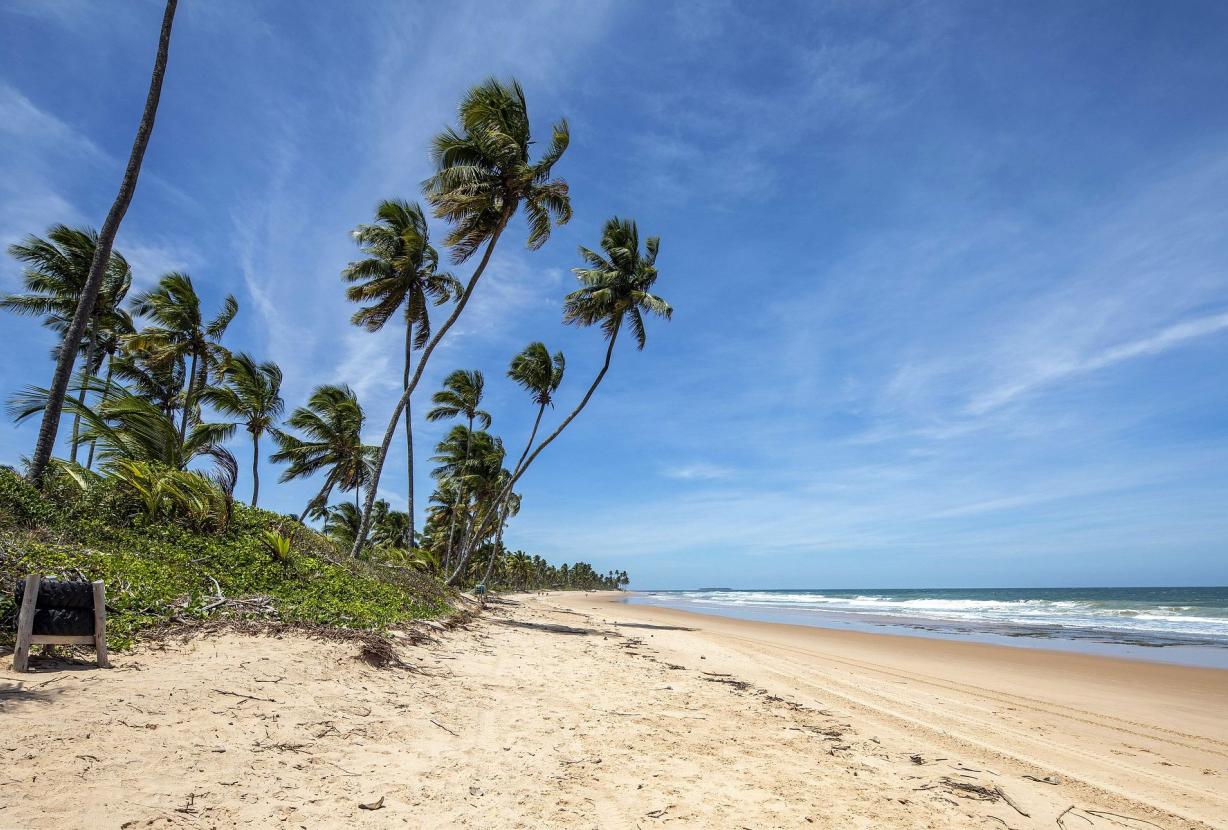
(1181, 625)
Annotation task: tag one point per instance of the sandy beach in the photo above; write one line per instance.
(567, 710)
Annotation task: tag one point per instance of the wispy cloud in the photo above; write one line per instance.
(697, 471)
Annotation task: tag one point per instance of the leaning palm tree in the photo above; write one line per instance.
(180, 333)
(400, 273)
(539, 374)
(615, 289)
(101, 260)
(251, 393)
(57, 270)
(331, 427)
(483, 174)
(461, 396)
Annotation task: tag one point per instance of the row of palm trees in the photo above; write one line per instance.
(161, 381)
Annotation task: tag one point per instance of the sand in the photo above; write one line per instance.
(574, 711)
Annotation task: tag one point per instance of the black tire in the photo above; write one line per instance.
(56, 593)
(64, 621)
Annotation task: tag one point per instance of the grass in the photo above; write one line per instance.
(166, 573)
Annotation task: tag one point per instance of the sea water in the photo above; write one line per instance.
(1183, 625)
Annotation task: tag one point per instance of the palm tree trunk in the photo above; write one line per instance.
(106, 388)
(482, 528)
(86, 373)
(187, 400)
(409, 436)
(498, 551)
(447, 557)
(255, 468)
(365, 524)
(102, 258)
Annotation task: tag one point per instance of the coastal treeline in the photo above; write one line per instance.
(156, 396)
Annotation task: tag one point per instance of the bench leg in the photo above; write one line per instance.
(100, 625)
(25, 623)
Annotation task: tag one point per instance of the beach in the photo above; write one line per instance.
(575, 710)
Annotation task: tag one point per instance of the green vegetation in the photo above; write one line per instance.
(161, 572)
(153, 509)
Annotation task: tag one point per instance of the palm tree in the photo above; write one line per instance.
(251, 392)
(461, 396)
(331, 424)
(401, 270)
(110, 334)
(57, 269)
(539, 374)
(182, 334)
(127, 427)
(101, 261)
(615, 288)
(483, 174)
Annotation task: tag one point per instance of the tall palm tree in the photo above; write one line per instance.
(251, 393)
(331, 424)
(483, 174)
(101, 261)
(614, 289)
(400, 273)
(56, 273)
(461, 396)
(181, 333)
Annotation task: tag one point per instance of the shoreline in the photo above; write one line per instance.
(570, 710)
(1159, 646)
(1140, 729)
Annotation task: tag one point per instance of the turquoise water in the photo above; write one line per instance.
(1186, 625)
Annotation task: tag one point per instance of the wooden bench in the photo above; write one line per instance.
(25, 627)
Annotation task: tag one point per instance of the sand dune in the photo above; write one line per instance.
(569, 711)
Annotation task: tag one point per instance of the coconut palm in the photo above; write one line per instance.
(128, 427)
(400, 273)
(101, 261)
(110, 334)
(180, 333)
(460, 396)
(331, 425)
(483, 174)
(251, 393)
(539, 374)
(615, 289)
(57, 270)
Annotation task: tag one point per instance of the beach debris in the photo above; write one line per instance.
(659, 813)
(1120, 816)
(247, 697)
(1048, 779)
(374, 805)
(1014, 806)
(968, 789)
(444, 728)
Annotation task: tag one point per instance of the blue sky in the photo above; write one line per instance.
(950, 279)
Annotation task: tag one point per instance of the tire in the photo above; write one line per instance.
(55, 593)
(64, 621)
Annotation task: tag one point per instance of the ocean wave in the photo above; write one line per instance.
(1125, 613)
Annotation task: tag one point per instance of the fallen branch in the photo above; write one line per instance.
(247, 697)
(444, 728)
(1011, 802)
(1119, 815)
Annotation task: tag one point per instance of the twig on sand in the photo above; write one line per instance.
(1119, 815)
(1011, 802)
(1048, 779)
(248, 697)
(444, 728)
(374, 805)
(1062, 825)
